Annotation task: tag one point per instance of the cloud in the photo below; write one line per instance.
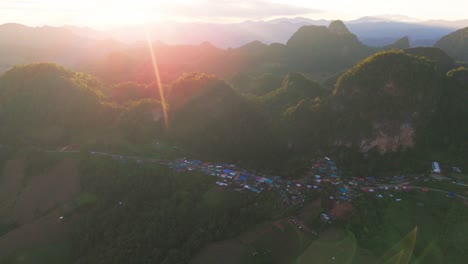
(247, 9)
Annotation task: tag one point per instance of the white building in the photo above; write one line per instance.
(435, 167)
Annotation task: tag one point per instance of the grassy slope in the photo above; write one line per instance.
(431, 229)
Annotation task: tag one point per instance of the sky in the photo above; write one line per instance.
(102, 13)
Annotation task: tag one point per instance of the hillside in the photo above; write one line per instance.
(455, 44)
(443, 62)
(295, 87)
(260, 85)
(47, 103)
(385, 100)
(446, 128)
(212, 119)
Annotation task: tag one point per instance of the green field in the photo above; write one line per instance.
(279, 242)
(422, 228)
(437, 224)
(335, 246)
(282, 245)
(229, 251)
(57, 253)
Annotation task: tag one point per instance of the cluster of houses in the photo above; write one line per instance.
(229, 175)
(292, 192)
(295, 192)
(323, 173)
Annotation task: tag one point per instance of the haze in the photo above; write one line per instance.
(124, 12)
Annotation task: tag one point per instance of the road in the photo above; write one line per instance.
(165, 162)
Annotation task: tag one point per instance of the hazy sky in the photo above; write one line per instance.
(118, 12)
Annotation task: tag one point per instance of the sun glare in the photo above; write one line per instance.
(154, 63)
(125, 12)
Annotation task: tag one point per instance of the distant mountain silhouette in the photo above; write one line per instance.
(402, 43)
(443, 62)
(455, 44)
(373, 31)
(312, 50)
(21, 44)
(338, 27)
(329, 49)
(309, 49)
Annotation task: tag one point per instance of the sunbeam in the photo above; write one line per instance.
(158, 79)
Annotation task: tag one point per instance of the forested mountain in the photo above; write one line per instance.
(385, 101)
(313, 50)
(455, 44)
(210, 117)
(47, 103)
(256, 85)
(445, 130)
(295, 87)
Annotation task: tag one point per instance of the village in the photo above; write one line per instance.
(313, 204)
(324, 177)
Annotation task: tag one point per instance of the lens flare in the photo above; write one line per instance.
(403, 251)
(158, 79)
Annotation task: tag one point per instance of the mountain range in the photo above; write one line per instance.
(72, 46)
(371, 30)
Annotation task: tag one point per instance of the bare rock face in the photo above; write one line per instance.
(386, 141)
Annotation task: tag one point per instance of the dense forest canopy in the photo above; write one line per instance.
(152, 214)
(47, 102)
(387, 93)
(394, 94)
(443, 62)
